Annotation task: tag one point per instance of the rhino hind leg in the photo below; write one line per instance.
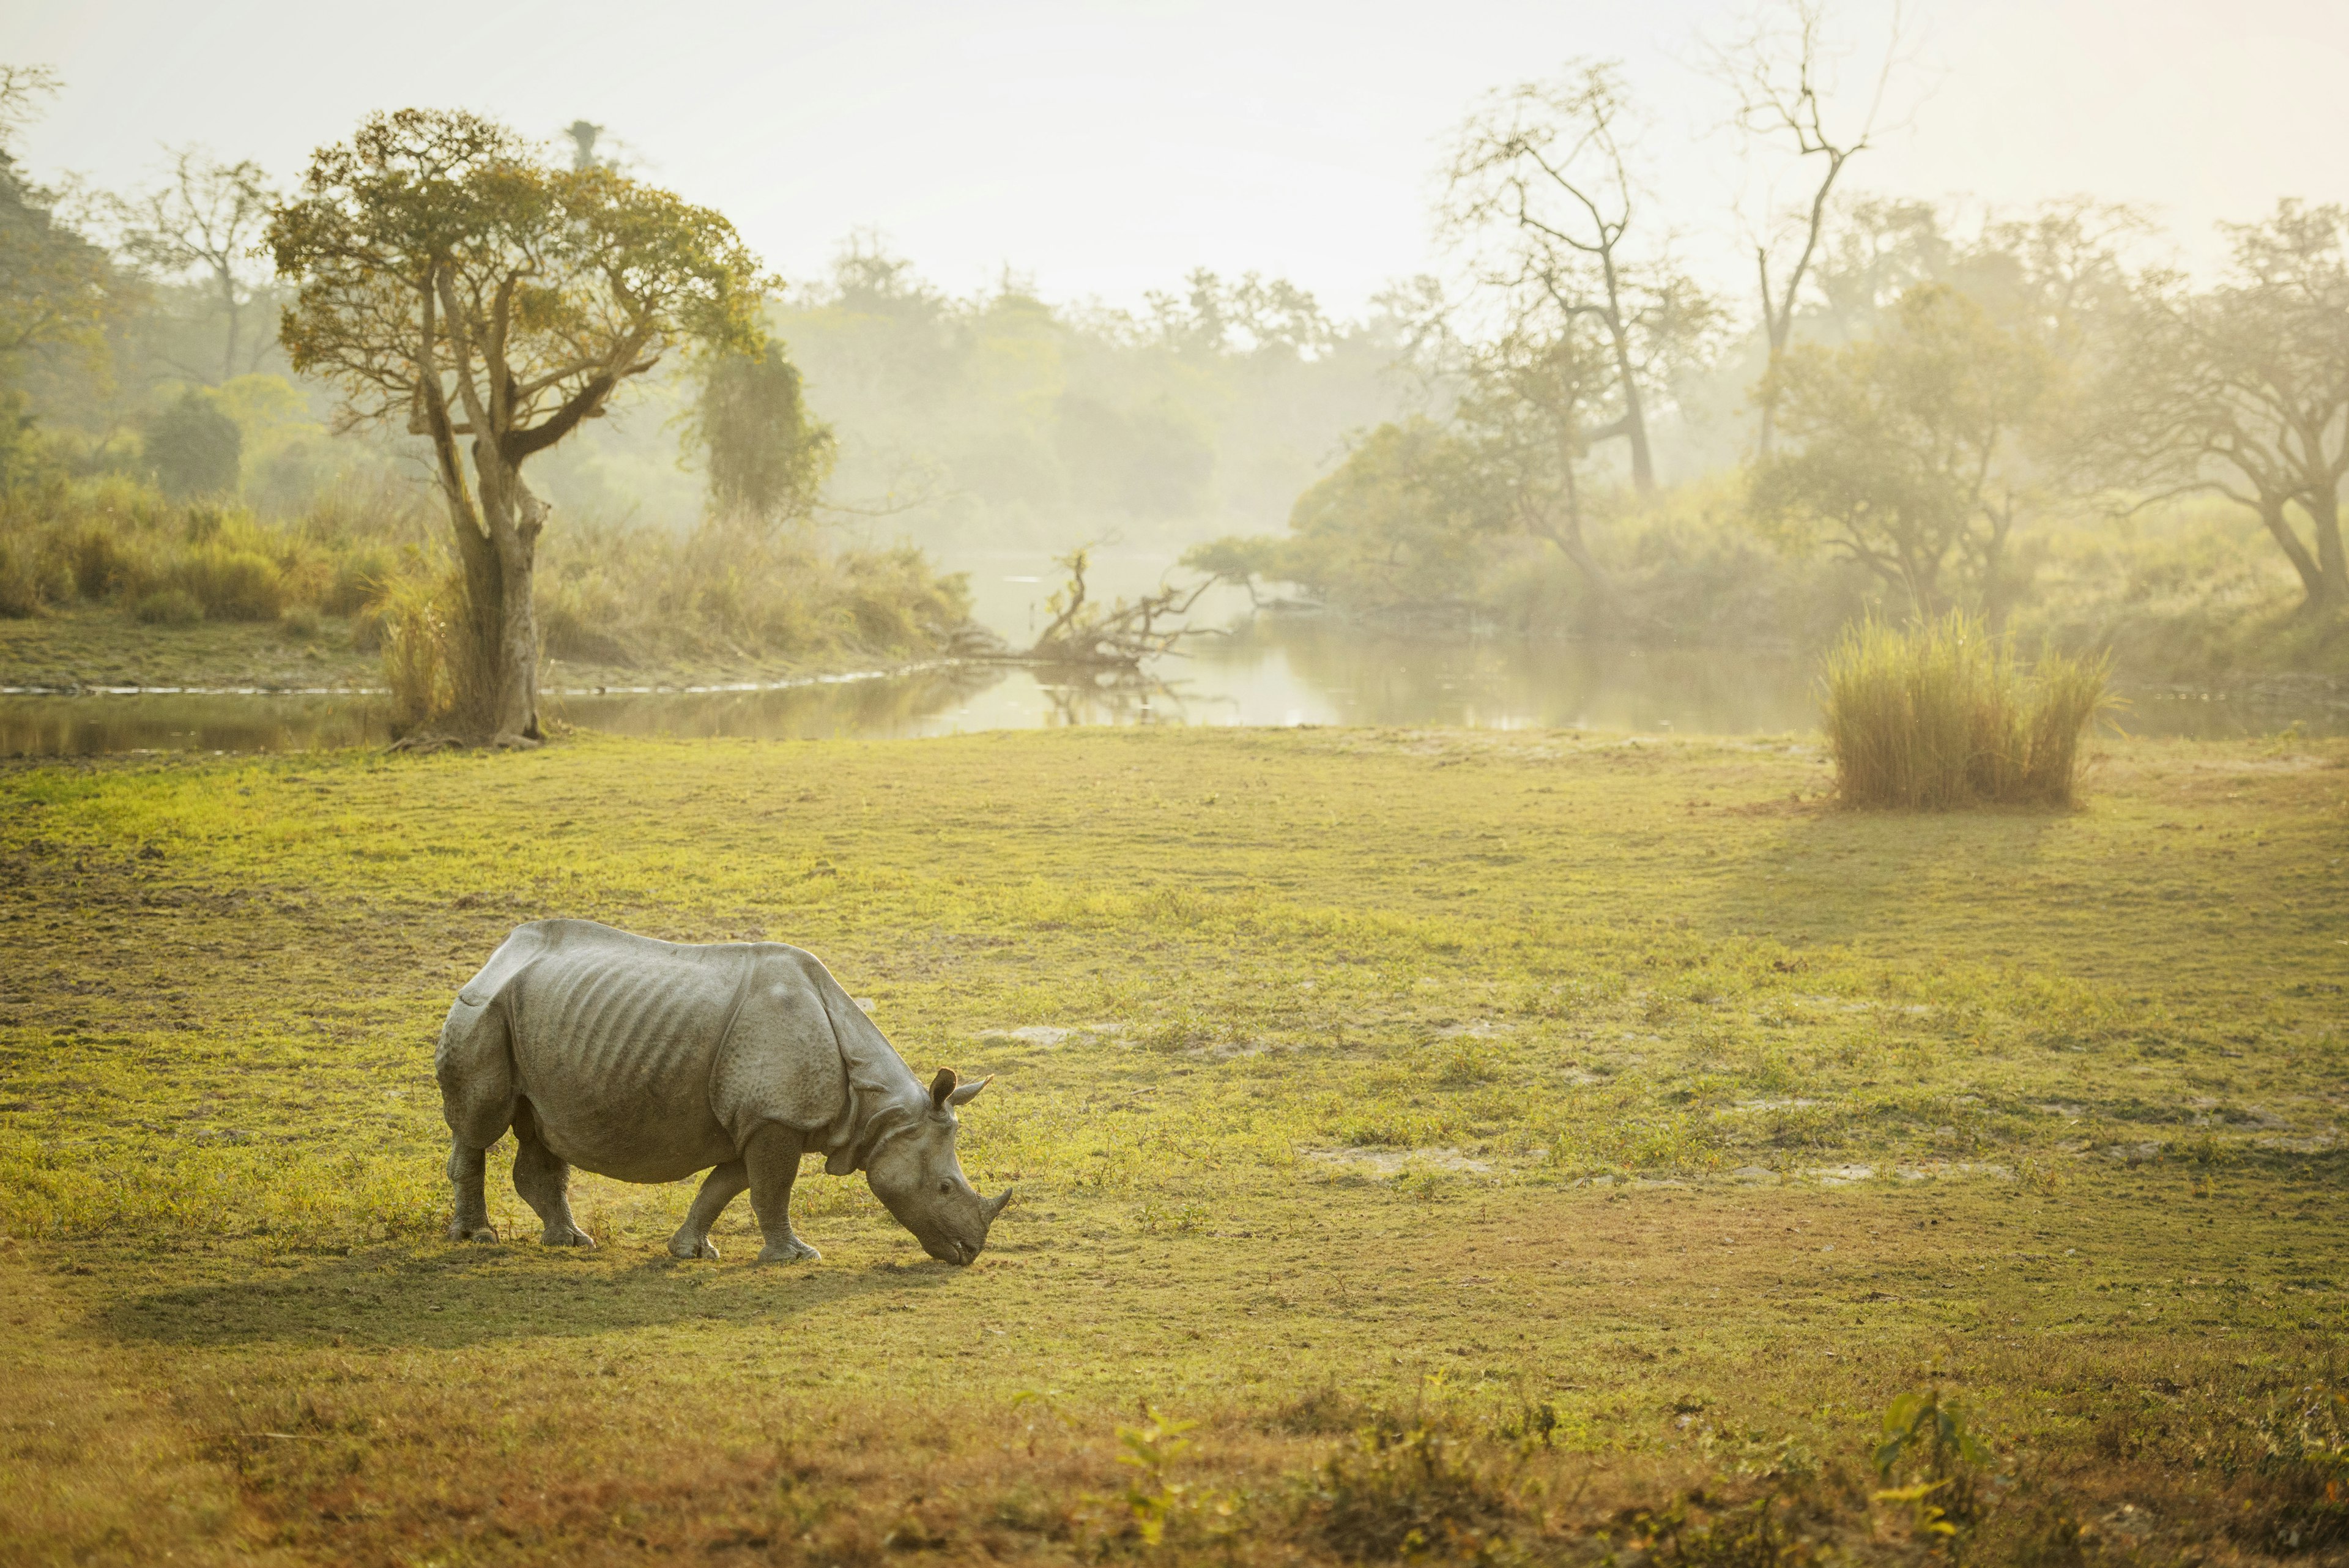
(467, 1171)
(772, 1161)
(543, 1179)
(721, 1187)
(475, 1071)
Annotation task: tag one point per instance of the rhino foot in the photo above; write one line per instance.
(790, 1252)
(565, 1236)
(683, 1246)
(461, 1231)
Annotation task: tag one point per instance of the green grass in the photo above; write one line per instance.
(1552, 1144)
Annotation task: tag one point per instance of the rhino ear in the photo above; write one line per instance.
(942, 1088)
(968, 1093)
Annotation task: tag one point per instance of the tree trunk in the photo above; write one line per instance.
(495, 678)
(2324, 506)
(2312, 575)
(509, 694)
(1566, 533)
(1635, 418)
(1776, 328)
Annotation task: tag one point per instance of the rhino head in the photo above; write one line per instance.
(918, 1177)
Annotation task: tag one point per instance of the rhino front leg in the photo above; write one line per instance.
(466, 1168)
(772, 1158)
(721, 1187)
(543, 1179)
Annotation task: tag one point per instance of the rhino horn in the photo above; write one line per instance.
(993, 1206)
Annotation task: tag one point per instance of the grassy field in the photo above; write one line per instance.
(1526, 1147)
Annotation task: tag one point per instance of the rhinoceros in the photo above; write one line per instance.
(648, 1061)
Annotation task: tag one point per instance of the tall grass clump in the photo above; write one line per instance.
(1942, 715)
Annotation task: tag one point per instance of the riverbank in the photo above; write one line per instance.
(92, 647)
(1486, 1135)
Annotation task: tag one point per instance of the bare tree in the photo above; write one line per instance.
(1543, 168)
(207, 219)
(1781, 72)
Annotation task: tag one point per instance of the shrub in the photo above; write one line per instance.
(1942, 715)
(1404, 1492)
(299, 621)
(357, 577)
(233, 584)
(168, 606)
(22, 588)
(103, 563)
(415, 634)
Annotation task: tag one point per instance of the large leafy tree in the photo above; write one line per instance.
(1911, 455)
(454, 280)
(57, 290)
(2243, 389)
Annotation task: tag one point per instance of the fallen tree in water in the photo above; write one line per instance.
(1085, 635)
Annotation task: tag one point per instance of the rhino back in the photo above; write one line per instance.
(614, 1041)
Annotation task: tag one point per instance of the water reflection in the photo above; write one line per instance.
(1273, 672)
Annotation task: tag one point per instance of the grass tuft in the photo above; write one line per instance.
(1940, 716)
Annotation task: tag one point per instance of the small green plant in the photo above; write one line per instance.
(1155, 1216)
(1465, 1065)
(168, 606)
(1150, 1449)
(1931, 1433)
(1927, 1437)
(1940, 716)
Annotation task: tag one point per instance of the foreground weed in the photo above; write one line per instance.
(1928, 1437)
(1149, 1449)
(1754, 1536)
(1407, 1491)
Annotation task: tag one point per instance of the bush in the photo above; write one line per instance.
(299, 621)
(357, 577)
(415, 634)
(1941, 716)
(1405, 1493)
(104, 564)
(168, 606)
(21, 586)
(233, 584)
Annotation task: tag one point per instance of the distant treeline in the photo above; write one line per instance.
(2025, 416)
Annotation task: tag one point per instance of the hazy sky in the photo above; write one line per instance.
(1105, 149)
